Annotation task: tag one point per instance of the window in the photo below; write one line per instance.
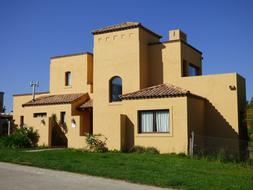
(68, 79)
(63, 117)
(40, 114)
(185, 68)
(189, 69)
(155, 121)
(21, 121)
(192, 70)
(115, 89)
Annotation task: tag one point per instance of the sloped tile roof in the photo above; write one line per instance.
(54, 99)
(159, 91)
(123, 26)
(88, 104)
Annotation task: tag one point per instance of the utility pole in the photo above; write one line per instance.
(34, 85)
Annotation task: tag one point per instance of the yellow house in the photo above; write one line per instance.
(136, 90)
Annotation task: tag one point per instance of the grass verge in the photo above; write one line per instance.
(159, 170)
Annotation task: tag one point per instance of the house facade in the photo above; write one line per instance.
(136, 90)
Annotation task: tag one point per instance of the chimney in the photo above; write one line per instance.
(1, 101)
(177, 35)
(34, 85)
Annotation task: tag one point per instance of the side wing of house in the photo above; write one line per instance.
(224, 93)
(56, 114)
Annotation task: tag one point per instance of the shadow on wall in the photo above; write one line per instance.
(155, 70)
(127, 133)
(57, 136)
(218, 136)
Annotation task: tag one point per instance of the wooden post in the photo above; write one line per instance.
(191, 144)
(9, 127)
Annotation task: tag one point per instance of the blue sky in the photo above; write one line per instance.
(33, 31)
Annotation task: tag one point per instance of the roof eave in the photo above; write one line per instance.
(96, 32)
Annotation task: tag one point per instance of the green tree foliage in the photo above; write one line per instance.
(96, 143)
(24, 137)
(249, 119)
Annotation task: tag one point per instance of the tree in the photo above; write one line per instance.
(249, 119)
(251, 102)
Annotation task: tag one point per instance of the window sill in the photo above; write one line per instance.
(154, 135)
(66, 87)
(115, 103)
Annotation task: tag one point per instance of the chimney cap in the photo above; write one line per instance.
(177, 34)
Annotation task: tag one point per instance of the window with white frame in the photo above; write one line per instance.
(154, 121)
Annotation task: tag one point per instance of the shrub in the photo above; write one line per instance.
(22, 138)
(141, 149)
(137, 149)
(95, 144)
(152, 150)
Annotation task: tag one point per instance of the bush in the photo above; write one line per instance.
(152, 150)
(141, 149)
(95, 144)
(22, 138)
(137, 149)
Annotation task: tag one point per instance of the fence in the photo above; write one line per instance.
(207, 145)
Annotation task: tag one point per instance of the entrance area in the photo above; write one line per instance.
(87, 122)
(58, 132)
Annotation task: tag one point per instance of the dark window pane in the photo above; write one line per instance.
(115, 89)
(193, 71)
(68, 78)
(62, 117)
(185, 68)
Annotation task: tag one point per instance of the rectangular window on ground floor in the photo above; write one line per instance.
(43, 114)
(154, 121)
(63, 117)
(21, 121)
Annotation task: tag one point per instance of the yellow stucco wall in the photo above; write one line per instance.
(18, 101)
(177, 140)
(215, 88)
(117, 54)
(127, 57)
(81, 76)
(73, 134)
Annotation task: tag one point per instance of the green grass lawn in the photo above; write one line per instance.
(159, 170)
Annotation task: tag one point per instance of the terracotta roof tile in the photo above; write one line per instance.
(159, 91)
(87, 104)
(123, 26)
(54, 99)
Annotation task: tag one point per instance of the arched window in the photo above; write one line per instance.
(115, 86)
